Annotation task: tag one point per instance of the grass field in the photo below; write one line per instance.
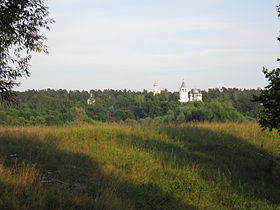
(110, 166)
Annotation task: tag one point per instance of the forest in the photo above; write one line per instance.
(57, 107)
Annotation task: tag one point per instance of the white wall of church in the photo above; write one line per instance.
(186, 96)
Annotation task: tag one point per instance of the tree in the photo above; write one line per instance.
(20, 25)
(170, 116)
(222, 110)
(181, 117)
(270, 98)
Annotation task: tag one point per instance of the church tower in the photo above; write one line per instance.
(184, 93)
(156, 91)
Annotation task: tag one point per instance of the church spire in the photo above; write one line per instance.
(183, 84)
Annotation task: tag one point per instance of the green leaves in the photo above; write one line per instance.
(270, 100)
(20, 25)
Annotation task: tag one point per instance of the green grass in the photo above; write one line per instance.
(102, 166)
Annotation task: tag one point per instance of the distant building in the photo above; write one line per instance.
(186, 95)
(91, 100)
(156, 91)
(195, 95)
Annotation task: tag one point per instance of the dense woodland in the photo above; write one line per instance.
(54, 107)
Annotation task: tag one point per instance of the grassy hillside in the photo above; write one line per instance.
(193, 166)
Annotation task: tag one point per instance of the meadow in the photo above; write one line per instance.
(113, 166)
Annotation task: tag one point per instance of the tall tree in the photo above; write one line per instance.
(20, 25)
(270, 98)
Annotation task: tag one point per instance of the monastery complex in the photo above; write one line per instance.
(184, 93)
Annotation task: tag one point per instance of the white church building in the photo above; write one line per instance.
(156, 91)
(186, 95)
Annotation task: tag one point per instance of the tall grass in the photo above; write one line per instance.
(110, 166)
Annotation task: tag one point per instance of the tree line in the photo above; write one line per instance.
(55, 107)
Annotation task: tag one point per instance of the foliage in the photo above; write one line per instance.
(270, 100)
(223, 111)
(181, 117)
(54, 107)
(20, 23)
(242, 100)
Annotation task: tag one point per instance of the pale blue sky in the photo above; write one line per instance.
(129, 44)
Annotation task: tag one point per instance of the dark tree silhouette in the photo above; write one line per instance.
(20, 25)
(270, 98)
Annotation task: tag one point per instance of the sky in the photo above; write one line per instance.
(130, 44)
